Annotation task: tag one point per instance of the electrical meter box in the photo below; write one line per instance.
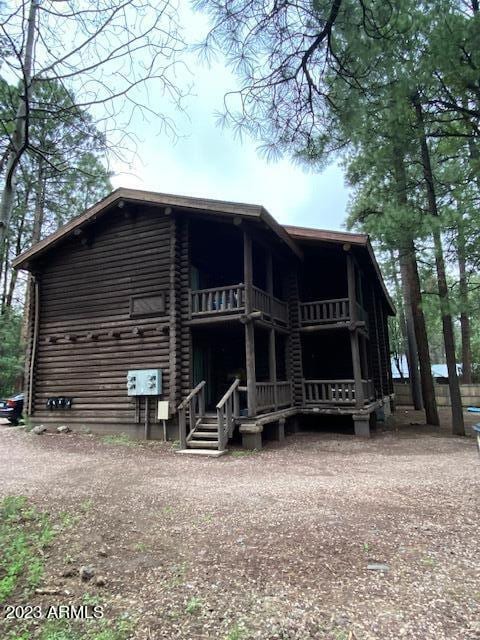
(144, 382)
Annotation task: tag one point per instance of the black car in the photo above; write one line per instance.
(12, 408)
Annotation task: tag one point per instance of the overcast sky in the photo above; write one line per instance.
(209, 161)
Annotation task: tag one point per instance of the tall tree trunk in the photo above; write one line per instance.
(18, 249)
(408, 333)
(40, 187)
(458, 427)
(412, 346)
(5, 276)
(464, 306)
(416, 325)
(19, 140)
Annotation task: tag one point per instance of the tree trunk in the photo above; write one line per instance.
(417, 328)
(458, 427)
(408, 333)
(19, 140)
(5, 276)
(39, 202)
(18, 249)
(464, 306)
(40, 187)
(412, 346)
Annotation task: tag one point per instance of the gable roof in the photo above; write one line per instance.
(136, 196)
(290, 235)
(324, 235)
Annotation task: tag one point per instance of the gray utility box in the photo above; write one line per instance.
(144, 382)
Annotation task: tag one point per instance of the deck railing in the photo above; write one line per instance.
(218, 299)
(323, 311)
(273, 395)
(327, 311)
(228, 410)
(232, 298)
(335, 392)
(279, 310)
(194, 403)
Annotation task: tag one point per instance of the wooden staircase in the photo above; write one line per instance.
(205, 433)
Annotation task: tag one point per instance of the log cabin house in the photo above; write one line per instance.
(241, 323)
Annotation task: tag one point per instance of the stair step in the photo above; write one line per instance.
(207, 426)
(211, 453)
(204, 444)
(205, 434)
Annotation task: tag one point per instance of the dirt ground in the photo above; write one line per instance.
(271, 545)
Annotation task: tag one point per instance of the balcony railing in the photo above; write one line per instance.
(335, 392)
(271, 306)
(229, 299)
(273, 395)
(329, 311)
(218, 300)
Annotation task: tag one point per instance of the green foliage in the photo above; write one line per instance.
(327, 79)
(24, 533)
(77, 630)
(11, 352)
(194, 605)
(237, 632)
(121, 439)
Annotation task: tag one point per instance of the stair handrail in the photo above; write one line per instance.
(228, 409)
(196, 403)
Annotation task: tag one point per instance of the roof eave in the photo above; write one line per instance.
(253, 212)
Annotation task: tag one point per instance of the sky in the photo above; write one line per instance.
(206, 160)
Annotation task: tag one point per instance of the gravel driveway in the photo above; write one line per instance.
(275, 544)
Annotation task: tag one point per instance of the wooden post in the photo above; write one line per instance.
(363, 341)
(182, 429)
(249, 328)
(147, 419)
(270, 283)
(357, 369)
(376, 338)
(272, 365)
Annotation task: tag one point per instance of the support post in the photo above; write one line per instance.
(361, 423)
(357, 369)
(249, 327)
(270, 282)
(252, 440)
(272, 365)
(272, 356)
(279, 430)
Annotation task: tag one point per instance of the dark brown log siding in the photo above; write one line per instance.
(87, 339)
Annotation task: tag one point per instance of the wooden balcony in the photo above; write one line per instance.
(325, 312)
(217, 300)
(231, 299)
(335, 392)
(273, 395)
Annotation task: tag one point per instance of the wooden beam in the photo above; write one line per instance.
(354, 346)
(352, 291)
(272, 365)
(249, 327)
(234, 317)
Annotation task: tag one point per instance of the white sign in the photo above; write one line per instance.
(162, 410)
